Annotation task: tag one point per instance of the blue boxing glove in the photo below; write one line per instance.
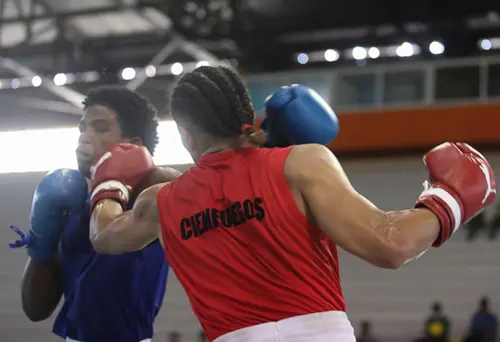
(59, 194)
(298, 115)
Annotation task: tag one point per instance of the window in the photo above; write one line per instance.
(457, 83)
(404, 87)
(356, 90)
(494, 80)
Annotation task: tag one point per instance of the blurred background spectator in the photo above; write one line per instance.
(476, 226)
(365, 333)
(202, 337)
(175, 336)
(437, 325)
(484, 324)
(495, 222)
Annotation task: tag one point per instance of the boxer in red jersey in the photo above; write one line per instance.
(251, 232)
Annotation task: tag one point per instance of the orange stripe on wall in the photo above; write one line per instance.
(415, 128)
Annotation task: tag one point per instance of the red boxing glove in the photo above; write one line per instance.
(118, 172)
(461, 184)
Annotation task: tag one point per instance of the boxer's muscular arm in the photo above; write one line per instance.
(113, 231)
(385, 239)
(39, 305)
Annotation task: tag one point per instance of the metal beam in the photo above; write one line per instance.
(160, 57)
(49, 105)
(177, 42)
(61, 23)
(71, 96)
(197, 52)
(2, 10)
(77, 13)
(33, 34)
(138, 41)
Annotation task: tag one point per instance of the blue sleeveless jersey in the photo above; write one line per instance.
(108, 298)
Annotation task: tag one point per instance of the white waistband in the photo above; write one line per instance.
(319, 327)
(68, 339)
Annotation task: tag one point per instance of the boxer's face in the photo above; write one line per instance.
(99, 130)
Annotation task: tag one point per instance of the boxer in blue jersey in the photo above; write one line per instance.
(105, 298)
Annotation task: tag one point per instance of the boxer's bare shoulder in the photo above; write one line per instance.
(316, 173)
(306, 162)
(162, 175)
(156, 176)
(169, 173)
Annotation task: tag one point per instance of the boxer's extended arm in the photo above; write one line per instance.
(60, 192)
(385, 239)
(39, 304)
(113, 231)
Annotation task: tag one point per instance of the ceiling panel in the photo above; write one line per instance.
(75, 5)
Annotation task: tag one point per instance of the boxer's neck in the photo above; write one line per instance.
(226, 148)
(244, 141)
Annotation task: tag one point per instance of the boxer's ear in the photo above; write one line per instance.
(258, 138)
(187, 139)
(136, 141)
(255, 138)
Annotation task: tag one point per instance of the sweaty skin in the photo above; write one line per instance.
(39, 305)
(385, 239)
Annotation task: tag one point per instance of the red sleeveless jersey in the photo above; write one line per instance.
(241, 248)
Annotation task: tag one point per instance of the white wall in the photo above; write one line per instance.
(396, 301)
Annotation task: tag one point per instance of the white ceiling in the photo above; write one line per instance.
(121, 22)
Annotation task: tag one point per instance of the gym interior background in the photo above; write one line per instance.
(401, 76)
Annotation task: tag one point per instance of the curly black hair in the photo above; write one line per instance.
(213, 99)
(137, 117)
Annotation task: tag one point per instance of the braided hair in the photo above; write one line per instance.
(215, 101)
